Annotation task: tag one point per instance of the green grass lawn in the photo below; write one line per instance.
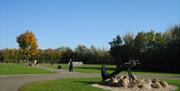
(85, 68)
(11, 69)
(72, 84)
(96, 68)
(174, 82)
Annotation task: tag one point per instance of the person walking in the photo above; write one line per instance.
(70, 65)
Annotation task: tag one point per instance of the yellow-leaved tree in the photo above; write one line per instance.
(27, 46)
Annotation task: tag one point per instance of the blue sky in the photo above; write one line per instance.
(59, 23)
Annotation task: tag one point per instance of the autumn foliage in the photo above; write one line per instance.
(27, 45)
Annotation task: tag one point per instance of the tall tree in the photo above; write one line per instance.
(130, 51)
(65, 54)
(140, 41)
(27, 45)
(128, 39)
(82, 53)
(81, 49)
(159, 41)
(116, 49)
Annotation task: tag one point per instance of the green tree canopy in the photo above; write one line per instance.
(116, 49)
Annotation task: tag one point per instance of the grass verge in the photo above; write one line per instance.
(11, 69)
(72, 84)
(174, 82)
(85, 68)
(96, 68)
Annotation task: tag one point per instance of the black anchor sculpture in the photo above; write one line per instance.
(126, 66)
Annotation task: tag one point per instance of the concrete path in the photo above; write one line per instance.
(13, 82)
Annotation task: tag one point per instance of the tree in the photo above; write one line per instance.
(116, 49)
(128, 39)
(129, 49)
(82, 53)
(9, 55)
(116, 41)
(1, 56)
(140, 41)
(65, 54)
(159, 41)
(27, 46)
(81, 49)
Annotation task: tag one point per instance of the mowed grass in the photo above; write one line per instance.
(175, 83)
(96, 68)
(72, 84)
(85, 68)
(11, 69)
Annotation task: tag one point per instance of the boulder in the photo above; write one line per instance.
(155, 80)
(146, 84)
(125, 83)
(156, 85)
(119, 84)
(163, 84)
(120, 77)
(141, 80)
(135, 83)
(115, 80)
(124, 77)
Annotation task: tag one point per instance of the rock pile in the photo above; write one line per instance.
(148, 84)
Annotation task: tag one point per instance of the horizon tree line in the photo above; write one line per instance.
(157, 51)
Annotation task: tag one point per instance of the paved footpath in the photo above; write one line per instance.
(13, 82)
